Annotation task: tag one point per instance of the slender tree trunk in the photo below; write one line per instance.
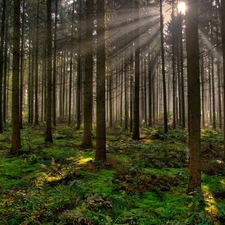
(36, 114)
(203, 92)
(149, 90)
(2, 61)
(16, 140)
(213, 96)
(22, 67)
(163, 70)
(110, 80)
(88, 79)
(136, 114)
(223, 42)
(126, 110)
(182, 106)
(210, 94)
(79, 73)
(100, 154)
(54, 66)
(48, 133)
(193, 96)
(174, 65)
(218, 69)
(131, 90)
(5, 106)
(71, 64)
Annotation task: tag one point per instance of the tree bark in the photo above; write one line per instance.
(2, 61)
(16, 140)
(194, 183)
(54, 66)
(163, 70)
(88, 79)
(100, 154)
(36, 114)
(48, 133)
(223, 42)
(136, 113)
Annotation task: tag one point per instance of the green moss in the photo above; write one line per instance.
(59, 183)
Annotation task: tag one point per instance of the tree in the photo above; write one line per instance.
(54, 65)
(223, 42)
(163, 70)
(48, 133)
(16, 140)
(136, 123)
(100, 154)
(2, 61)
(36, 117)
(79, 69)
(88, 78)
(192, 45)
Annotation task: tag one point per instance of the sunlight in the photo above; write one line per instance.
(211, 205)
(84, 160)
(181, 8)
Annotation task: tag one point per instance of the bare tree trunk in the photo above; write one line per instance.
(131, 90)
(149, 90)
(54, 67)
(5, 106)
(22, 67)
(88, 79)
(203, 92)
(100, 154)
(174, 65)
(48, 133)
(36, 117)
(223, 41)
(194, 112)
(2, 61)
(136, 116)
(79, 73)
(16, 140)
(163, 70)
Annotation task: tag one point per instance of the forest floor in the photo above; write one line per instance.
(142, 182)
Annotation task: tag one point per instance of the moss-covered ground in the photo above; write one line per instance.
(142, 182)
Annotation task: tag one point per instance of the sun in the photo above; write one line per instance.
(181, 7)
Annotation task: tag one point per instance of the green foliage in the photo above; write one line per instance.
(143, 182)
(212, 136)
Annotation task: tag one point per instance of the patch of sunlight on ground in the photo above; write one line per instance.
(52, 179)
(210, 201)
(148, 141)
(84, 160)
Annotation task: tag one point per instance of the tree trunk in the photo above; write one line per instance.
(203, 92)
(149, 89)
(136, 116)
(5, 106)
(79, 72)
(16, 140)
(48, 133)
(36, 115)
(2, 61)
(163, 70)
(88, 79)
(194, 183)
(100, 154)
(174, 64)
(54, 67)
(223, 42)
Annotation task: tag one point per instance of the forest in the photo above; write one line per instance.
(112, 112)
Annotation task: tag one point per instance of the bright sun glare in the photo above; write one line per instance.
(181, 7)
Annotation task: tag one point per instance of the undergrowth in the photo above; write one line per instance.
(142, 182)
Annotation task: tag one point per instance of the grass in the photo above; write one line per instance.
(143, 182)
